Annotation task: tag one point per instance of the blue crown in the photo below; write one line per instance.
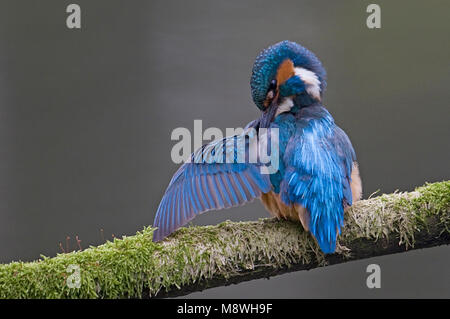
(267, 63)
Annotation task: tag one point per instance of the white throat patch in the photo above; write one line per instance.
(284, 106)
(311, 80)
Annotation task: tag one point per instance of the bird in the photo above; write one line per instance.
(317, 177)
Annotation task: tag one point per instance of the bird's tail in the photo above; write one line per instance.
(323, 198)
(324, 204)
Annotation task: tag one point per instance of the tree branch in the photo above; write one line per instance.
(196, 258)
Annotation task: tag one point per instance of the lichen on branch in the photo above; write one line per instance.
(199, 257)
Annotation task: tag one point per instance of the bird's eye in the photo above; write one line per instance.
(273, 85)
(271, 92)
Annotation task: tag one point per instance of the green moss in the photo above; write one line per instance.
(127, 267)
(401, 215)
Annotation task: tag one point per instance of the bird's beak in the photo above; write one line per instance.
(269, 114)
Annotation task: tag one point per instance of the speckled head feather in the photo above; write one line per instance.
(268, 61)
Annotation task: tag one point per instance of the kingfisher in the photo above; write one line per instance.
(317, 177)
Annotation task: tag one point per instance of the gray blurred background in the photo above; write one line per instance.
(86, 116)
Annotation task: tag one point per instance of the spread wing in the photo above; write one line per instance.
(218, 176)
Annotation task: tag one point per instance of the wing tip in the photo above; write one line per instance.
(158, 236)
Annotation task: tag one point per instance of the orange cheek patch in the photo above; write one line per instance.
(285, 71)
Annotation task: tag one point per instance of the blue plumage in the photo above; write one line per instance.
(209, 182)
(267, 62)
(317, 177)
(319, 160)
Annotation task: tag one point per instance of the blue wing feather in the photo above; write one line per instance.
(208, 184)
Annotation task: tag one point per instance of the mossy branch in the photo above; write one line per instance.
(196, 258)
